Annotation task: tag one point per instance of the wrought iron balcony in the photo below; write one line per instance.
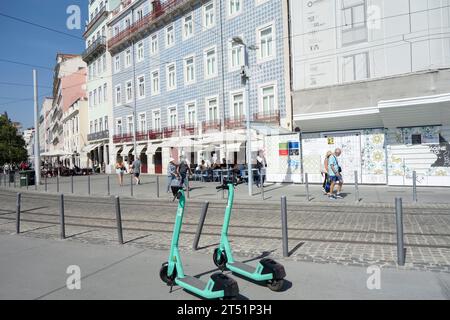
(98, 135)
(170, 132)
(148, 22)
(102, 13)
(213, 125)
(94, 50)
(189, 129)
(155, 134)
(235, 122)
(123, 138)
(272, 116)
(141, 136)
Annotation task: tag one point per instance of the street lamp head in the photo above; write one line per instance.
(238, 40)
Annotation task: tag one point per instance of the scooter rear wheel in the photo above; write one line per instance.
(220, 262)
(163, 274)
(275, 285)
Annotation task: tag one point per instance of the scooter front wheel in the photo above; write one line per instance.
(164, 276)
(221, 261)
(275, 285)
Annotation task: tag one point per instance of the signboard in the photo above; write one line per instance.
(283, 149)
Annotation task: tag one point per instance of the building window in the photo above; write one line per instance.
(265, 37)
(171, 77)
(117, 63)
(212, 109)
(139, 14)
(237, 105)
(100, 94)
(91, 127)
(128, 58)
(157, 120)
(90, 99)
(155, 83)
(236, 57)
(209, 17)
(95, 97)
(191, 113)
(354, 27)
(106, 123)
(210, 63)
(104, 62)
(154, 44)
(119, 126)
(188, 26)
(189, 70)
(141, 87)
(140, 51)
(90, 72)
(170, 36)
(142, 122)
(234, 7)
(268, 99)
(94, 69)
(129, 91)
(356, 67)
(105, 92)
(118, 95)
(100, 125)
(100, 65)
(172, 117)
(95, 126)
(130, 125)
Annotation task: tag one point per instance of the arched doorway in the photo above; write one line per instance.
(157, 160)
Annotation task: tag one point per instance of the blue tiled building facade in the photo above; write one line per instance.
(186, 72)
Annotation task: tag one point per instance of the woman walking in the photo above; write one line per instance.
(120, 170)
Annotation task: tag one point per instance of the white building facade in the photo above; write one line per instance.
(371, 77)
(99, 81)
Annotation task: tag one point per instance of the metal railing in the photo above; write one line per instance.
(213, 125)
(268, 116)
(98, 135)
(99, 45)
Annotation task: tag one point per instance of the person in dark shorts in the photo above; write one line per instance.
(136, 166)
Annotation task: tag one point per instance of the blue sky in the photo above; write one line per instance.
(32, 45)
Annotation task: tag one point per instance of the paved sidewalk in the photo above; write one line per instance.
(207, 191)
(36, 269)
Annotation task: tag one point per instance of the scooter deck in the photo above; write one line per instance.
(243, 266)
(192, 281)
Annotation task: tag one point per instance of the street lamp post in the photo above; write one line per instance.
(245, 81)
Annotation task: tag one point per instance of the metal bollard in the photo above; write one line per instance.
(26, 179)
(157, 186)
(399, 225)
(61, 216)
(108, 186)
(46, 183)
(19, 198)
(187, 187)
(14, 180)
(356, 187)
(71, 184)
(57, 183)
(262, 191)
(131, 185)
(9, 180)
(414, 177)
(308, 198)
(119, 220)
(284, 227)
(200, 225)
(89, 184)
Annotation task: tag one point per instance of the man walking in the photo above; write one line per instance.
(334, 172)
(136, 166)
(183, 171)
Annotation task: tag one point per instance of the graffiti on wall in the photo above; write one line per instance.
(442, 151)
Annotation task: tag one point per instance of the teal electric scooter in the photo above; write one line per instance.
(267, 270)
(218, 286)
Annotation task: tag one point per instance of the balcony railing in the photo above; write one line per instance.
(141, 136)
(155, 134)
(98, 135)
(97, 17)
(235, 123)
(209, 126)
(97, 47)
(272, 116)
(189, 129)
(123, 138)
(170, 132)
(159, 9)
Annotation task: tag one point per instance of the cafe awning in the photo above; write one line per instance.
(126, 150)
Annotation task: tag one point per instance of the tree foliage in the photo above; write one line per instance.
(12, 145)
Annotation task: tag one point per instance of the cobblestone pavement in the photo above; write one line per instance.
(296, 193)
(339, 233)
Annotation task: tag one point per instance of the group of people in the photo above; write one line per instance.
(332, 172)
(24, 165)
(134, 168)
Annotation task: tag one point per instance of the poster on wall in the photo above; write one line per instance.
(283, 158)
